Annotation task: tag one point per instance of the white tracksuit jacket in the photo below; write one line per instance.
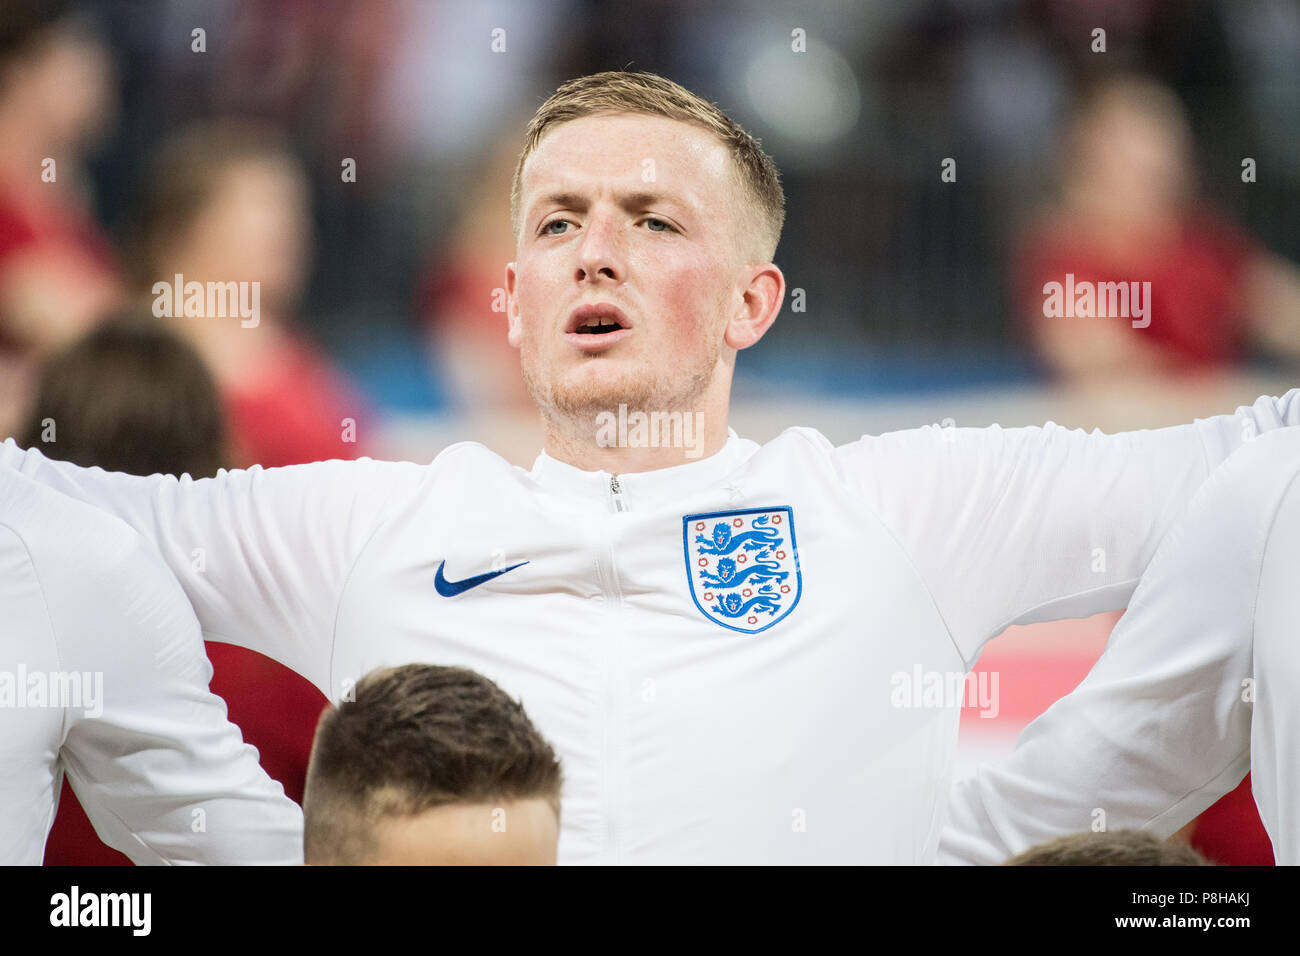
(731, 656)
(103, 676)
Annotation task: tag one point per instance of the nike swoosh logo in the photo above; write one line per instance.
(452, 588)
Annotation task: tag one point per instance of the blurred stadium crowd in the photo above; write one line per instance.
(213, 139)
(390, 278)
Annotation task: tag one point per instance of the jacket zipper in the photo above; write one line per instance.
(611, 669)
(616, 494)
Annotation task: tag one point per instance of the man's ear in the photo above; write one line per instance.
(760, 303)
(515, 335)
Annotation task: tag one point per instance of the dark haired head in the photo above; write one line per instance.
(415, 738)
(25, 23)
(130, 396)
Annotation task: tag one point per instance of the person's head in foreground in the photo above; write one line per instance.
(645, 222)
(430, 766)
(1120, 848)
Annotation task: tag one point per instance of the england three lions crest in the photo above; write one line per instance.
(743, 566)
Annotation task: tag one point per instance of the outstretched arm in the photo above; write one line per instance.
(1021, 525)
(262, 554)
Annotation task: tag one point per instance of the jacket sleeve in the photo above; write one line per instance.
(1161, 727)
(163, 775)
(262, 554)
(1021, 525)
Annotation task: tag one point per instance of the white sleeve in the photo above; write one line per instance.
(262, 554)
(163, 775)
(1275, 724)
(1160, 729)
(1020, 525)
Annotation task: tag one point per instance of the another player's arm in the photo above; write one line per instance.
(262, 554)
(1161, 727)
(110, 643)
(1020, 525)
(160, 770)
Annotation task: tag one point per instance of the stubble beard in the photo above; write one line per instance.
(573, 408)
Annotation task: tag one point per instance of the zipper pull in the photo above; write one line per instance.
(616, 494)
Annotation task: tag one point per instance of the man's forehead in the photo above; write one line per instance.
(648, 153)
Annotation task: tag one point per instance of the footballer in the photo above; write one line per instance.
(706, 634)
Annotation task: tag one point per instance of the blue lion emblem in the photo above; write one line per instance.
(766, 603)
(724, 543)
(743, 566)
(760, 572)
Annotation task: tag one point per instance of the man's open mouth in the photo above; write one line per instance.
(597, 319)
(598, 327)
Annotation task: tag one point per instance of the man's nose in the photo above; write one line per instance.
(599, 257)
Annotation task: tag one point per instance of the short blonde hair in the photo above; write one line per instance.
(652, 95)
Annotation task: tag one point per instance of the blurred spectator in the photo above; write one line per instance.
(133, 396)
(463, 301)
(56, 271)
(1128, 213)
(227, 202)
(130, 396)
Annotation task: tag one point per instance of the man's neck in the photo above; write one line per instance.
(625, 441)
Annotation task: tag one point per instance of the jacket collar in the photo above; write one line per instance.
(644, 487)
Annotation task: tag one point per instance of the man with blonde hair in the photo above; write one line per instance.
(733, 647)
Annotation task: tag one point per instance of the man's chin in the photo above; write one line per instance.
(601, 385)
(588, 402)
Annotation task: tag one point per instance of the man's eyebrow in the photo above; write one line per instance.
(561, 200)
(642, 199)
(638, 200)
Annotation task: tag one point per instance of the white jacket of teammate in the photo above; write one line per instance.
(103, 677)
(1197, 686)
(694, 725)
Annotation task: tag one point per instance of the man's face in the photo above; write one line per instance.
(516, 833)
(635, 220)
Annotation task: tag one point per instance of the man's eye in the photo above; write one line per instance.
(547, 230)
(652, 223)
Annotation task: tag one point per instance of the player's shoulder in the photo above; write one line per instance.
(53, 521)
(476, 465)
(903, 450)
(1277, 446)
(937, 434)
(469, 452)
(855, 460)
(796, 447)
(1262, 469)
(74, 548)
(379, 483)
(1233, 512)
(797, 437)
